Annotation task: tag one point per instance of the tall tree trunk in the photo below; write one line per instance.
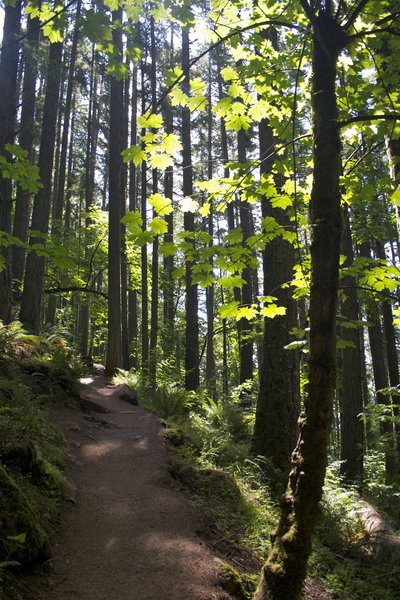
(154, 266)
(26, 137)
(278, 404)
(381, 376)
(168, 281)
(31, 301)
(144, 260)
(246, 329)
(124, 258)
(8, 77)
(285, 569)
(114, 358)
(351, 426)
(84, 312)
(210, 290)
(132, 292)
(192, 370)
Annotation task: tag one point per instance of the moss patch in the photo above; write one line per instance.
(239, 585)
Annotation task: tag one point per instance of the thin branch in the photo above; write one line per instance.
(366, 153)
(352, 18)
(85, 290)
(362, 34)
(368, 118)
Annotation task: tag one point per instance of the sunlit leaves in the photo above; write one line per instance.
(161, 204)
(161, 161)
(134, 154)
(54, 21)
(158, 225)
(20, 169)
(150, 120)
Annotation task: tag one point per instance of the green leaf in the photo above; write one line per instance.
(134, 154)
(205, 210)
(160, 13)
(231, 281)
(168, 249)
(171, 143)
(178, 273)
(161, 204)
(281, 202)
(228, 74)
(237, 122)
(132, 220)
(158, 225)
(228, 310)
(235, 236)
(272, 310)
(246, 312)
(395, 197)
(151, 120)
(161, 161)
(96, 26)
(143, 237)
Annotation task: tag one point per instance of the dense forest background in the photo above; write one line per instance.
(204, 196)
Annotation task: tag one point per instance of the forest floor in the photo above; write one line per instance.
(128, 530)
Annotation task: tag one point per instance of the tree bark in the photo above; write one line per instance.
(285, 569)
(26, 138)
(8, 77)
(278, 403)
(31, 301)
(114, 357)
(351, 426)
(192, 371)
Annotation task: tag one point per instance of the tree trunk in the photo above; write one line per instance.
(210, 290)
(31, 301)
(132, 292)
(278, 404)
(351, 426)
(154, 264)
(8, 77)
(144, 259)
(114, 358)
(192, 371)
(246, 328)
(26, 138)
(285, 569)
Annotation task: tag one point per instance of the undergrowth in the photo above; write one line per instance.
(240, 493)
(35, 373)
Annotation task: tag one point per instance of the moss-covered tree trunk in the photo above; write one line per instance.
(285, 569)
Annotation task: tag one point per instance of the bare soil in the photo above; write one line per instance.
(127, 532)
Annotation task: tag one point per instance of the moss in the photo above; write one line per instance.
(18, 517)
(239, 585)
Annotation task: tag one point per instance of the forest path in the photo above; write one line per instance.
(128, 533)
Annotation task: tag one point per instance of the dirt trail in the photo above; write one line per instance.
(128, 532)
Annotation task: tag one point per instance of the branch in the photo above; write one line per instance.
(367, 118)
(362, 34)
(85, 290)
(362, 4)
